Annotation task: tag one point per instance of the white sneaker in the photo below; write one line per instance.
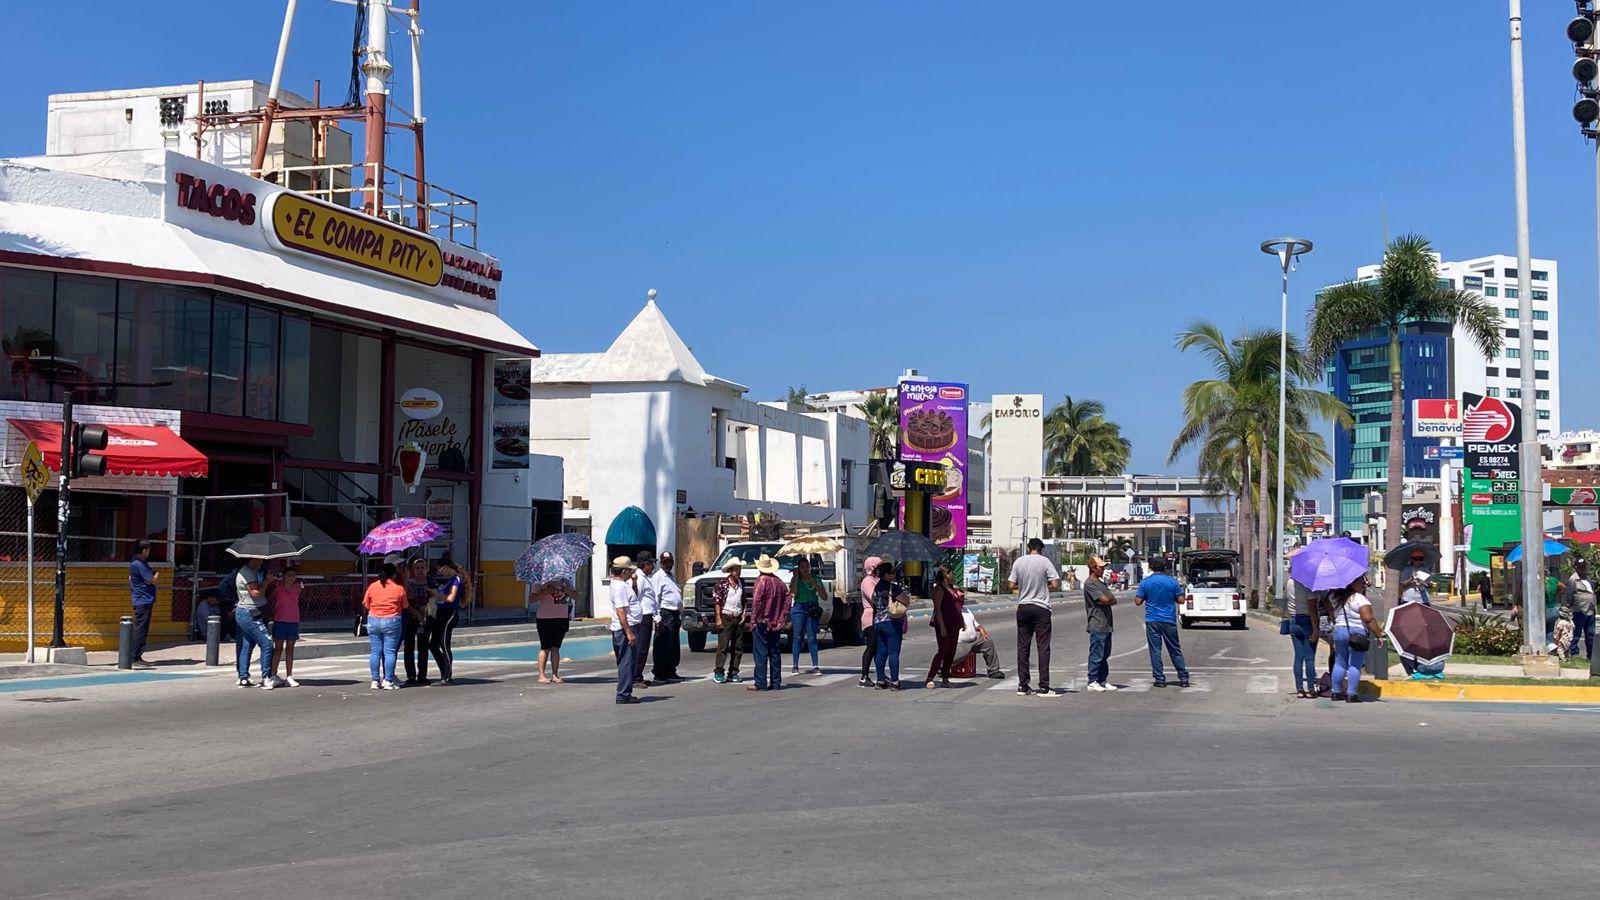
(1096, 687)
(268, 684)
(390, 686)
(1108, 687)
(291, 682)
(376, 686)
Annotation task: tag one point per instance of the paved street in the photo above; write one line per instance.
(190, 787)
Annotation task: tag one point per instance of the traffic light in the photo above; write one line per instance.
(1584, 33)
(85, 440)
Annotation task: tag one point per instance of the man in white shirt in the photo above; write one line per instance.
(974, 638)
(1033, 577)
(1414, 580)
(669, 599)
(626, 614)
(644, 583)
(730, 602)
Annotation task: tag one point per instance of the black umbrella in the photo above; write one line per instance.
(905, 546)
(1400, 557)
(268, 545)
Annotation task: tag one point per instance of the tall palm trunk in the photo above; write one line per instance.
(1247, 526)
(1397, 458)
(1269, 527)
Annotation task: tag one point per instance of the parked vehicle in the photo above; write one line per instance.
(1211, 588)
(699, 610)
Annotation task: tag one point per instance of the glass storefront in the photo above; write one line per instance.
(135, 343)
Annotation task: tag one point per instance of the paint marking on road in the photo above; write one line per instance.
(824, 680)
(1137, 685)
(1196, 685)
(1223, 656)
(1126, 653)
(1262, 684)
(1009, 684)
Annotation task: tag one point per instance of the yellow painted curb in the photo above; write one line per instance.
(1523, 693)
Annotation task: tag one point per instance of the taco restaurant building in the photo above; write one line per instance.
(280, 350)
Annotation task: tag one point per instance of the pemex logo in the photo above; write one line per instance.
(1488, 421)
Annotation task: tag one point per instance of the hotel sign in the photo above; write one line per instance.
(301, 224)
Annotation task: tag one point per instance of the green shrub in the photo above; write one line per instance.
(1481, 635)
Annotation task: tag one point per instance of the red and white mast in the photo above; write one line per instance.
(375, 66)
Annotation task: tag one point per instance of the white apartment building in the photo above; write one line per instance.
(1495, 278)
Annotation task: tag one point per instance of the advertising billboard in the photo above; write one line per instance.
(933, 428)
(1490, 512)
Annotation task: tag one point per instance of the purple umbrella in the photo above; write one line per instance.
(1328, 563)
(400, 534)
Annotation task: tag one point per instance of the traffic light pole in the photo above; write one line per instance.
(63, 512)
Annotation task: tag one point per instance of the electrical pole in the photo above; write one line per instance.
(63, 512)
(1529, 477)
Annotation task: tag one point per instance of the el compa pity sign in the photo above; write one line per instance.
(310, 226)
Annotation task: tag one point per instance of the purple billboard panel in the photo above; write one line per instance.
(933, 428)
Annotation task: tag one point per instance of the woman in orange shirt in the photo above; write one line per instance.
(385, 601)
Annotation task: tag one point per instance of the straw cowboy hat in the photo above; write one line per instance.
(735, 563)
(1097, 562)
(622, 562)
(766, 565)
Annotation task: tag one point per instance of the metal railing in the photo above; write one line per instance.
(406, 200)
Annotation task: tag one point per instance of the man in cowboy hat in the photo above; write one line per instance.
(728, 596)
(625, 616)
(1097, 603)
(669, 597)
(768, 613)
(644, 584)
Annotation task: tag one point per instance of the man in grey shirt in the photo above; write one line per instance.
(1097, 603)
(1033, 577)
(1580, 599)
(250, 615)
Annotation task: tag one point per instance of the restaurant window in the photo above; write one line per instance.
(163, 345)
(227, 358)
(26, 301)
(261, 364)
(86, 338)
(294, 378)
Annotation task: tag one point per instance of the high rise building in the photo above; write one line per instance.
(1439, 360)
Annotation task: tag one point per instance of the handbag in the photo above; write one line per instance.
(897, 607)
(360, 627)
(1360, 642)
(1284, 626)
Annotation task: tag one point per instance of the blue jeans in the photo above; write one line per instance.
(626, 653)
(251, 633)
(1158, 634)
(887, 633)
(1582, 629)
(383, 633)
(1346, 662)
(1099, 653)
(767, 645)
(803, 624)
(1305, 664)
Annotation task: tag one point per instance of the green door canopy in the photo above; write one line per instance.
(632, 526)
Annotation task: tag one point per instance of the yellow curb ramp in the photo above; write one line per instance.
(1518, 693)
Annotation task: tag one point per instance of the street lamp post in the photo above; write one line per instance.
(1288, 250)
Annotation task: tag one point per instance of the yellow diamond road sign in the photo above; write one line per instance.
(35, 475)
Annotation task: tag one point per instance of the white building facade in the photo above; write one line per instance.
(644, 425)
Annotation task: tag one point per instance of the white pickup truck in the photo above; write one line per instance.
(1211, 590)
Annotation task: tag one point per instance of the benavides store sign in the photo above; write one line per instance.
(299, 224)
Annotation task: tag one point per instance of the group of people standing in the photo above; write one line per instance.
(412, 610)
(646, 606)
(1344, 618)
(266, 618)
(1034, 576)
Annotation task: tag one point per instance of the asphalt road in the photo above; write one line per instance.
(499, 787)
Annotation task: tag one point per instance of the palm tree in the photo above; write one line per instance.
(800, 398)
(1232, 419)
(883, 425)
(1407, 291)
(1080, 440)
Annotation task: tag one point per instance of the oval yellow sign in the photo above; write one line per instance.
(321, 229)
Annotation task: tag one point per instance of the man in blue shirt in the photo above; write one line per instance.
(142, 587)
(1158, 594)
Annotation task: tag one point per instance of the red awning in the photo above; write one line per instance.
(130, 450)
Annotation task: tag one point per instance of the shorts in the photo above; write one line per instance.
(551, 632)
(286, 631)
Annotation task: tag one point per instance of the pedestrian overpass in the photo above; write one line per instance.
(1099, 486)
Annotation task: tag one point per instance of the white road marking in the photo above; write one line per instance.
(1262, 684)
(1196, 685)
(1222, 655)
(1009, 684)
(1137, 685)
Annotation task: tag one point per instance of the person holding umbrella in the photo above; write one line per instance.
(806, 614)
(249, 615)
(1354, 631)
(553, 618)
(886, 627)
(384, 601)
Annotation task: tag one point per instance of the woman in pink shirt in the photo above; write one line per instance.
(869, 585)
(286, 621)
(552, 619)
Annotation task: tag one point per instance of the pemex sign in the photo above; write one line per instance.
(1491, 513)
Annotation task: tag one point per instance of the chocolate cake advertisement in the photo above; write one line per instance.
(933, 428)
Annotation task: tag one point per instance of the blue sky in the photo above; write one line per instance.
(1030, 196)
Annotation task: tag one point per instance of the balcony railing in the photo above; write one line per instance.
(418, 205)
